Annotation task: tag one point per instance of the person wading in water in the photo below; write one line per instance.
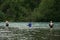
(7, 24)
(51, 25)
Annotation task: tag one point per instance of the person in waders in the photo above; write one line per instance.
(51, 25)
(7, 24)
(30, 24)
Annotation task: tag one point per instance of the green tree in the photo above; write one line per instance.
(2, 16)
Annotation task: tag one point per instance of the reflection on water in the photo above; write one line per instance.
(32, 34)
(37, 34)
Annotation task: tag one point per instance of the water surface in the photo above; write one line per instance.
(34, 24)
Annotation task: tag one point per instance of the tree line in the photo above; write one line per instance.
(30, 10)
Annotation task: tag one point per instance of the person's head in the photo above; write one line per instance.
(6, 21)
(50, 21)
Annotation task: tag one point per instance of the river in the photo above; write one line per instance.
(34, 24)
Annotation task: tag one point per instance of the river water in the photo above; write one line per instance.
(38, 31)
(34, 24)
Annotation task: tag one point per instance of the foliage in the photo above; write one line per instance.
(29, 10)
